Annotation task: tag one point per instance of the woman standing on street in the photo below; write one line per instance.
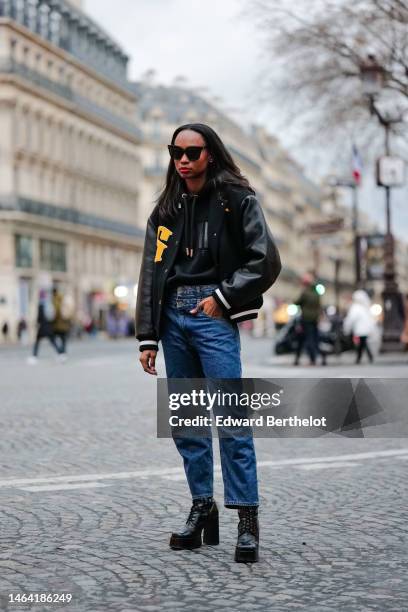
(208, 258)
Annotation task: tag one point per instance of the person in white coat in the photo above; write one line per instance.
(360, 322)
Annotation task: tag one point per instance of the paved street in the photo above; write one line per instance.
(89, 496)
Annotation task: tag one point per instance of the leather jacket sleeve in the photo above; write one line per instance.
(262, 265)
(145, 332)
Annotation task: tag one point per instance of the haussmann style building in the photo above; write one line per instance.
(69, 162)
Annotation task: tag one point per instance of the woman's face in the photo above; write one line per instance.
(186, 168)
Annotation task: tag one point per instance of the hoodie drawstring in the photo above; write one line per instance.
(195, 196)
(186, 222)
(189, 222)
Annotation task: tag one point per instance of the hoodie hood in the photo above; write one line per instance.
(361, 297)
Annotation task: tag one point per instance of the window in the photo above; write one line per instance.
(13, 46)
(24, 251)
(53, 255)
(156, 127)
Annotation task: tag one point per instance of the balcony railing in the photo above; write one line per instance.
(70, 215)
(65, 91)
(71, 29)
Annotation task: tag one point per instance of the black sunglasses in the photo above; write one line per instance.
(193, 153)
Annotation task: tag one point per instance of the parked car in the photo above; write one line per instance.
(332, 340)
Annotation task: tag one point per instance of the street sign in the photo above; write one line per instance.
(390, 171)
(371, 257)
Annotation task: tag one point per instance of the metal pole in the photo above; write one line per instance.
(355, 225)
(337, 264)
(387, 189)
(388, 209)
(389, 280)
(355, 209)
(393, 317)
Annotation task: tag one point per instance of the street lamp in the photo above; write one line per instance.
(373, 77)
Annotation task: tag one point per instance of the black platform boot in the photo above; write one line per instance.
(246, 550)
(203, 517)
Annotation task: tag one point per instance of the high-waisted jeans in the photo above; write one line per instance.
(200, 346)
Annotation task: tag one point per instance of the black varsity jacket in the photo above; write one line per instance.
(241, 244)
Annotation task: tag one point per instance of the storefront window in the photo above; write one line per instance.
(24, 251)
(53, 256)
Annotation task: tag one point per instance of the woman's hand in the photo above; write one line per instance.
(148, 360)
(210, 307)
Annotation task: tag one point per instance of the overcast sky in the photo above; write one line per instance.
(207, 42)
(214, 46)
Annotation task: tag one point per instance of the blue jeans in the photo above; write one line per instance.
(200, 346)
(308, 339)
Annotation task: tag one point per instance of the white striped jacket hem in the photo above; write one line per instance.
(148, 342)
(244, 313)
(223, 300)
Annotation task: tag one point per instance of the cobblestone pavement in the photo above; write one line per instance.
(89, 496)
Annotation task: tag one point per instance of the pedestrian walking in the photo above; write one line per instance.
(61, 323)
(45, 317)
(360, 323)
(22, 331)
(5, 331)
(208, 258)
(308, 333)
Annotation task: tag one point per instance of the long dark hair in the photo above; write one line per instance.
(222, 170)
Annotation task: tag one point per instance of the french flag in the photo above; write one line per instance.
(356, 165)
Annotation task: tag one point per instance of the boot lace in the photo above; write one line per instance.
(196, 509)
(248, 522)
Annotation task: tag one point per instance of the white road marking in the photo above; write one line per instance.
(329, 458)
(325, 466)
(91, 479)
(182, 476)
(84, 485)
(81, 477)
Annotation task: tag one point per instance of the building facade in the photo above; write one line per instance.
(70, 170)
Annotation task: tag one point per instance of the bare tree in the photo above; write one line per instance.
(316, 49)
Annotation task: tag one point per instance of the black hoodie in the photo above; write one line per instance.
(194, 264)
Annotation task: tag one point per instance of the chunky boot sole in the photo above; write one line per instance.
(246, 556)
(180, 543)
(210, 531)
